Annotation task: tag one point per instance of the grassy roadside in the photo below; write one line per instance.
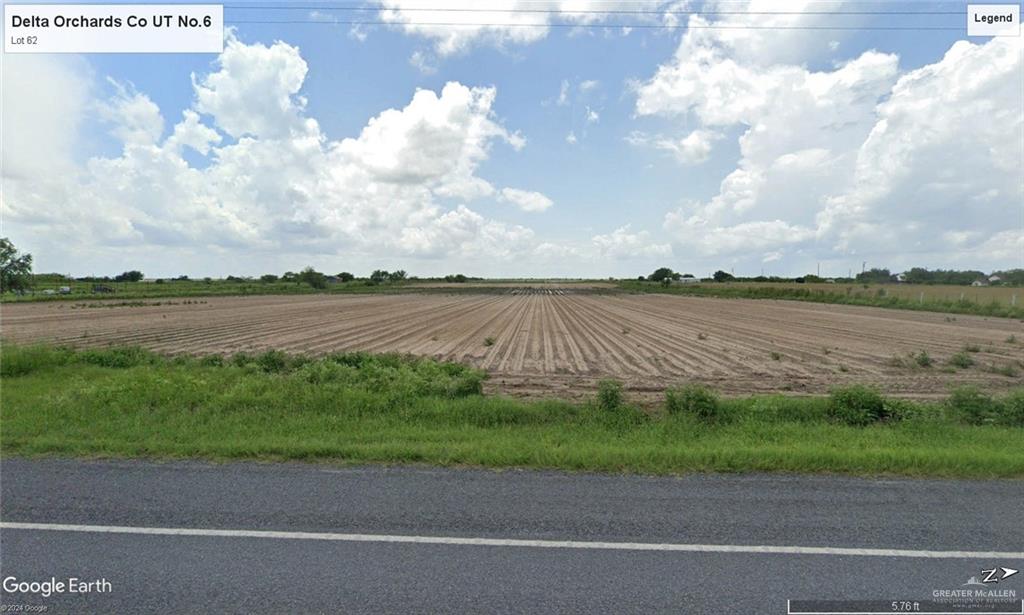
(357, 407)
(843, 295)
(135, 291)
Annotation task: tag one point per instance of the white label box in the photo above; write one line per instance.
(993, 20)
(113, 28)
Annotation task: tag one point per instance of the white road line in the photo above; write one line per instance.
(510, 542)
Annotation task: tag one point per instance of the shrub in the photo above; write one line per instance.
(489, 341)
(273, 361)
(470, 382)
(351, 359)
(23, 360)
(212, 360)
(856, 405)
(609, 395)
(694, 399)
(972, 348)
(1013, 409)
(923, 359)
(320, 372)
(241, 359)
(128, 356)
(775, 356)
(906, 410)
(961, 360)
(969, 405)
(1012, 339)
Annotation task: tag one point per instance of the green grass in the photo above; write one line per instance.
(357, 407)
(130, 293)
(839, 294)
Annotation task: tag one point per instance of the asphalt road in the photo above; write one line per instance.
(320, 573)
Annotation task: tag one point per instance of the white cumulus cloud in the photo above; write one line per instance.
(858, 159)
(281, 187)
(622, 243)
(526, 200)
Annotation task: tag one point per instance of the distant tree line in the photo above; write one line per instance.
(916, 275)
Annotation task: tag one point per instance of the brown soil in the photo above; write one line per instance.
(550, 342)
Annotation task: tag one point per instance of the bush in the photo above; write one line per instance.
(469, 383)
(241, 359)
(1013, 409)
(906, 410)
(212, 360)
(273, 361)
(694, 399)
(856, 405)
(961, 360)
(923, 359)
(609, 395)
(23, 360)
(969, 405)
(128, 356)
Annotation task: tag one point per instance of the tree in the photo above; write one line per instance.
(313, 277)
(457, 278)
(268, 278)
(345, 276)
(397, 276)
(722, 276)
(875, 276)
(129, 276)
(379, 275)
(663, 273)
(14, 267)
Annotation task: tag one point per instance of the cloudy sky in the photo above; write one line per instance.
(558, 142)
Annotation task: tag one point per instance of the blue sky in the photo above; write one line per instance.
(585, 151)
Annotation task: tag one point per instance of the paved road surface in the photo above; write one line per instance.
(324, 570)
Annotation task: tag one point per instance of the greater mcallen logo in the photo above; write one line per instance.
(991, 576)
(982, 587)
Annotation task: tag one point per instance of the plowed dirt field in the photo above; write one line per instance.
(550, 342)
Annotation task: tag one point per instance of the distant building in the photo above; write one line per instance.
(979, 283)
(994, 279)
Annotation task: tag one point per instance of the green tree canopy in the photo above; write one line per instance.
(313, 277)
(663, 273)
(129, 276)
(15, 268)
